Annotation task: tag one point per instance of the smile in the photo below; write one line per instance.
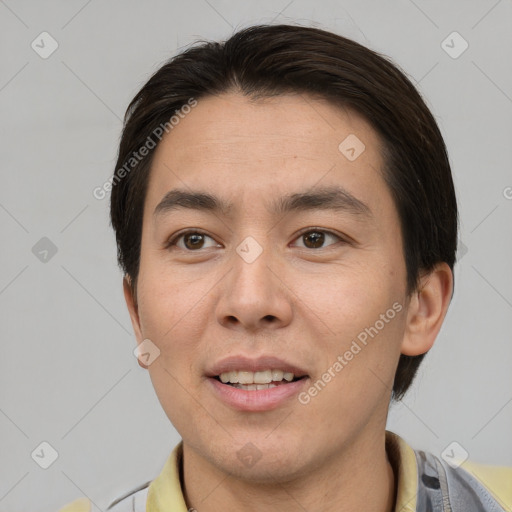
(252, 381)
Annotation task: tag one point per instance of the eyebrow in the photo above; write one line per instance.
(335, 198)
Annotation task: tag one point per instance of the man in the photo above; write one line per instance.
(287, 225)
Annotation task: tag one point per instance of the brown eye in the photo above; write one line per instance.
(315, 238)
(191, 241)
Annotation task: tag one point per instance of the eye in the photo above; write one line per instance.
(315, 238)
(192, 240)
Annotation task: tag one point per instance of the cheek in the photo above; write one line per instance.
(171, 316)
(170, 321)
(357, 377)
(349, 296)
(362, 310)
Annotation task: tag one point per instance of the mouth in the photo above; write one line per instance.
(259, 380)
(258, 384)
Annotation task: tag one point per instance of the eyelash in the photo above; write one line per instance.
(172, 242)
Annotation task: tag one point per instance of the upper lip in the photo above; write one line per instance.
(256, 364)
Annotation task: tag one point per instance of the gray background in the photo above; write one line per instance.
(68, 375)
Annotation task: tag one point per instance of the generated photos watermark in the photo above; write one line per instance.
(358, 343)
(139, 155)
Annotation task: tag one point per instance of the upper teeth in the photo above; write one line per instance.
(265, 377)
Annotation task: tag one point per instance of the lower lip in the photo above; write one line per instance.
(257, 399)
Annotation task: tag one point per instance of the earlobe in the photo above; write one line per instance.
(131, 303)
(427, 309)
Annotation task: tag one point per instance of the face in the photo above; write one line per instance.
(292, 263)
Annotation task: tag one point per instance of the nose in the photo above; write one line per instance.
(254, 295)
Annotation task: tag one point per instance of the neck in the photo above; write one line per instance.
(359, 477)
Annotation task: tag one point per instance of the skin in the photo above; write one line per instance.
(295, 301)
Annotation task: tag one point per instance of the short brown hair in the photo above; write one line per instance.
(267, 60)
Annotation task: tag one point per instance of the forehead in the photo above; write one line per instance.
(241, 147)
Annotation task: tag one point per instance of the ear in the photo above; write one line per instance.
(427, 309)
(131, 303)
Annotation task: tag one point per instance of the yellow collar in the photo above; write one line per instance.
(165, 492)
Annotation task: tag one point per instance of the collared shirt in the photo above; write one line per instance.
(425, 483)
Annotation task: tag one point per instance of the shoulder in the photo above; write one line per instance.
(467, 486)
(427, 482)
(79, 505)
(132, 501)
(166, 488)
(496, 479)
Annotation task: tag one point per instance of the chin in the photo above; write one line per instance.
(267, 470)
(259, 459)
